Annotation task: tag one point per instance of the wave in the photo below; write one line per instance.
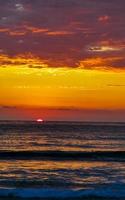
(64, 155)
(115, 191)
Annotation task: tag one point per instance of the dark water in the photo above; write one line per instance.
(62, 160)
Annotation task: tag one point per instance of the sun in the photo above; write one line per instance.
(39, 120)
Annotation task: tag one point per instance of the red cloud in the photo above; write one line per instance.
(104, 18)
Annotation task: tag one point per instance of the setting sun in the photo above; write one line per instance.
(39, 120)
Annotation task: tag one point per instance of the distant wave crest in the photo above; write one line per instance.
(64, 155)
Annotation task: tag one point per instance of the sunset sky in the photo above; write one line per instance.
(62, 60)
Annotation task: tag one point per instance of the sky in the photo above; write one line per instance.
(62, 60)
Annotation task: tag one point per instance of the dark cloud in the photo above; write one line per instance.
(8, 107)
(61, 31)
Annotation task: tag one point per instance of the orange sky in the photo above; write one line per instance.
(62, 60)
(37, 90)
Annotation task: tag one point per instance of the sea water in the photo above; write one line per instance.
(62, 160)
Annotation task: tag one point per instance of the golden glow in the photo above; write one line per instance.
(29, 82)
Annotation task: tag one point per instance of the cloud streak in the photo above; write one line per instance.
(22, 61)
(33, 61)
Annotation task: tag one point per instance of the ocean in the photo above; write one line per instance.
(62, 160)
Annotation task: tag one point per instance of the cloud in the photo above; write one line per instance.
(107, 63)
(32, 61)
(68, 110)
(23, 30)
(22, 61)
(65, 32)
(19, 7)
(104, 18)
(7, 107)
(59, 33)
(104, 48)
(27, 29)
